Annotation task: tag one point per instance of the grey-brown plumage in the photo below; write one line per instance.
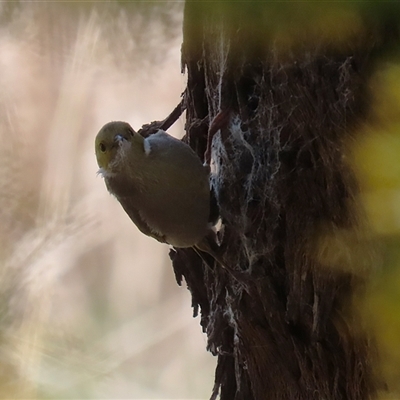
(159, 181)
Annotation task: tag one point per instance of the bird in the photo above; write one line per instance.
(161, 184)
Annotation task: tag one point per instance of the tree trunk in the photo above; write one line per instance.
(291, 228)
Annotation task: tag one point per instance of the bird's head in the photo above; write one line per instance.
(110, 140)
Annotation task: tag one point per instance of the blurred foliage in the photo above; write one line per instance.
(377, 163)
(292, 26)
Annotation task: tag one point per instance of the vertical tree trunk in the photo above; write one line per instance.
(284, 329)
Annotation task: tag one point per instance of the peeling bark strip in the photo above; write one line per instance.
(282, 184)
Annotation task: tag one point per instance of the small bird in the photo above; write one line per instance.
(160, 182)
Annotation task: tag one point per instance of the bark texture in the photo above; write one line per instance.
(284, 328)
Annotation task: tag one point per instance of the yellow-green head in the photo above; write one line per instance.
(109, 140)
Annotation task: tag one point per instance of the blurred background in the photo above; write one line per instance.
(89, 307)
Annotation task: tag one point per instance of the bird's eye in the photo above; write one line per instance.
(102, 147)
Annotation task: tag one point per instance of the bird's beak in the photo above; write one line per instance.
(119, 139)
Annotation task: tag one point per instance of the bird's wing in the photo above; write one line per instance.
(166, 147)
(129, 207)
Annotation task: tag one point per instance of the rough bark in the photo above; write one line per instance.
(284, 329)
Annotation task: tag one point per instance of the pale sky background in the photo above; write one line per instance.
(89, 306)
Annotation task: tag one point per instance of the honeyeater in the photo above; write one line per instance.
(160, 182)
